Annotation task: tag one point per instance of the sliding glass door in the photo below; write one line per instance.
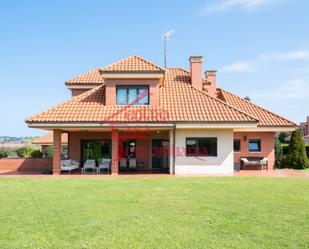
(95, 149)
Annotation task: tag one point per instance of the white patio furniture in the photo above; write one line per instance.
(132, 163)
(264, 163)
(123, 163)
(253, 162)
(69, 165)
(105, 164)
(89, 164)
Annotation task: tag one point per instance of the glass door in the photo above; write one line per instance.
(96, 150)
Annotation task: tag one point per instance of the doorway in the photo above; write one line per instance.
(160, 155)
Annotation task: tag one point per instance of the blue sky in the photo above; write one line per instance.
(259, 47)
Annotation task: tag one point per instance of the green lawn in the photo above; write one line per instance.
(226, 212)
(304, 170)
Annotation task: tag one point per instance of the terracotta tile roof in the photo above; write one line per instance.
(91, 77)
(179, 101)
(185, 103)
(266, 118)
(48, 139)
(133, 63)
(85, 107)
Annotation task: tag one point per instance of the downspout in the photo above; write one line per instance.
(174, 147)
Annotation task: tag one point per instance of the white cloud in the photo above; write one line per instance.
(294, 89)
(238, 67)
(259, 61)
(294, 55)
(246, 5)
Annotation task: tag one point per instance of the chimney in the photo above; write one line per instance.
(196, 69)
(211, 82)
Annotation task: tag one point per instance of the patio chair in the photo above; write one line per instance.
(123, 163)
(89, 164)
(105, 164)
(132, 164)
(264, 163)
(236, 167)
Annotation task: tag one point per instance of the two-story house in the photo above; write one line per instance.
(165, 120)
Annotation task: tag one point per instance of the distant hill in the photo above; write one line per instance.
(8, 141)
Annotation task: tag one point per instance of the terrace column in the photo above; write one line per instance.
(115, 152)
(56, 151)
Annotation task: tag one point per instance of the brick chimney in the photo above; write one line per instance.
(210, 85)
(196, 70)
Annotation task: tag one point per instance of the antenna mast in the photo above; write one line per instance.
(166, 37)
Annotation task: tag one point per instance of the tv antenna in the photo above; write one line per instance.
(166, 37)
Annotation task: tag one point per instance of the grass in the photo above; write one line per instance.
(227, 212)
(304, 170)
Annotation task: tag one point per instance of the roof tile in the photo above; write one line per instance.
(91, 77)
(266, 118)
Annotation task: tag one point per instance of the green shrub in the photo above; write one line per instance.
(3, 152)
(36, 154)
(49, 152)
(24, 151)
(297, 157)
(285, 149)
(21, 151)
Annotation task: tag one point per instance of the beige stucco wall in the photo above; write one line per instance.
(223, 163)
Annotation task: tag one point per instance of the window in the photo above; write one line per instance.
(236, 145)
(254, 145)
(201, 146)
(132, 95)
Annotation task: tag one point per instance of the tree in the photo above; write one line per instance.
(297, 157)
(283, 136)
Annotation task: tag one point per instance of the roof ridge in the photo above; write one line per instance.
(249, 102)
(129, 57)
(230, 106)
(148, 61)
(28, 119)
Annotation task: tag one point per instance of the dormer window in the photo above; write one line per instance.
(132, 95)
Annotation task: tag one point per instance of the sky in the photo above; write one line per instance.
(259, 47)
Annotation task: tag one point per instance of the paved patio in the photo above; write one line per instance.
(283, 173)
(273, 173)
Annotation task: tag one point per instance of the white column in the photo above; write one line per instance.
(171, 152)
